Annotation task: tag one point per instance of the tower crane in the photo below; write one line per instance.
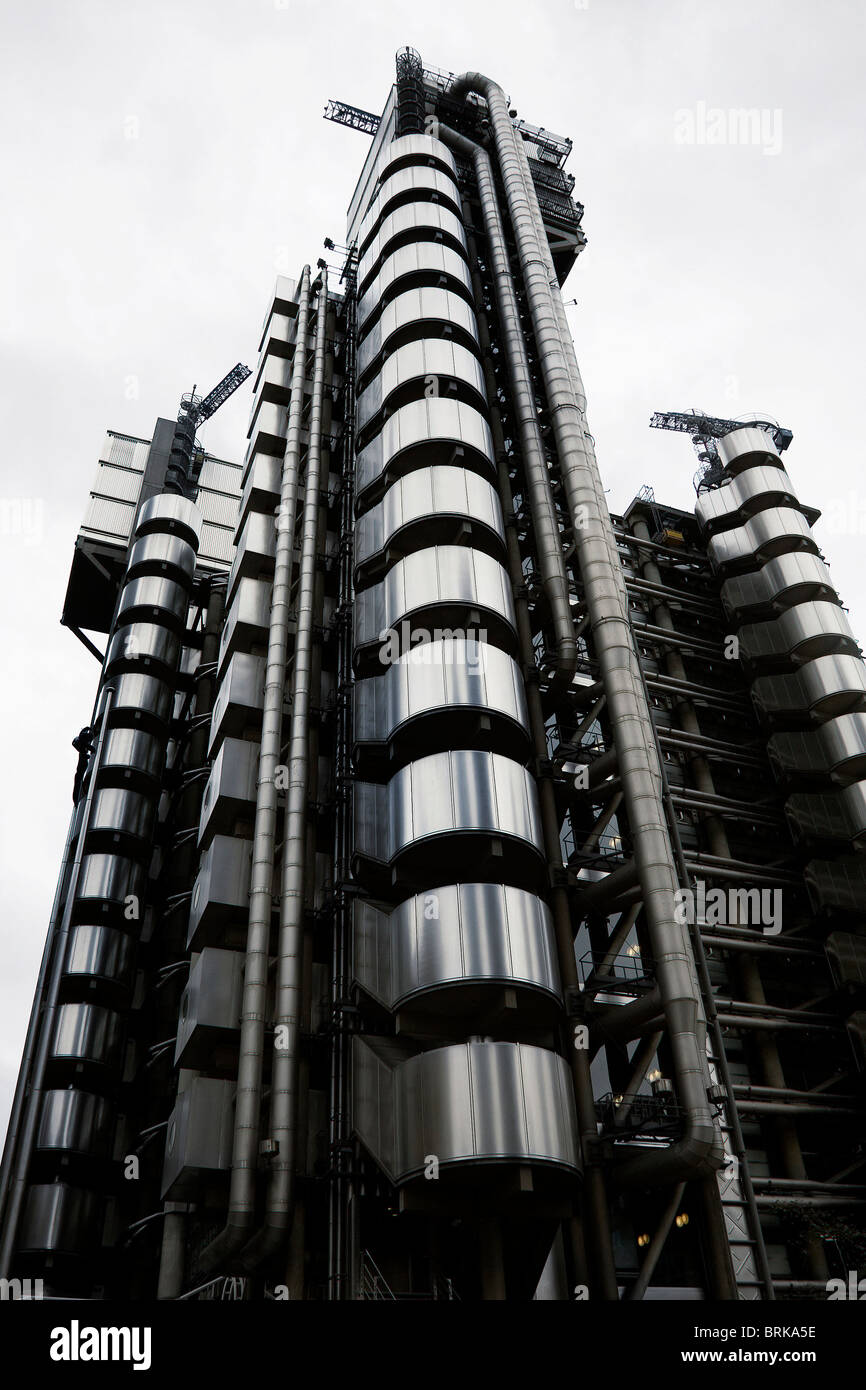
(185, 461)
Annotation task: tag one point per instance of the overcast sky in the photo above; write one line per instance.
(163, 161)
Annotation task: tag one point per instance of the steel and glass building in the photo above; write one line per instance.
(463, 895)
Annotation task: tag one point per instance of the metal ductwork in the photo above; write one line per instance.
(700, 1151)
(550, 554)
(247, 1120)
(288, 1004)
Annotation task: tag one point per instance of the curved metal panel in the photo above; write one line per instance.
(420, 258)
(800, 634)
(441, 576)
(109, 878)
(140, 699)
(837, 747)
(836, 815)
(432, 360)
(103, 952)
(469, 1103)
(747, 495)
(123, 813)
(415, 222)
(168, 512)
(775, 531)
(783, 582)
(837, 883)
(158, 554)
(58, 1217)
(427, 308)
(76, 1122)
(438, 676)
(462, 934)
(430, 431)
(144, 645)
(456, 792)
(414, 182)
(415, 149)
(87, 1033)
(153, 598)
(821, 689)
(132, 755)
(417, 503)
(748, 447)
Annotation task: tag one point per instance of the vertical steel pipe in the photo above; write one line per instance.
(248, 1103)
(700, 1151)
(289, 988)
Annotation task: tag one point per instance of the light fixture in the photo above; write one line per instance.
(643, 1240)
(683, 1219)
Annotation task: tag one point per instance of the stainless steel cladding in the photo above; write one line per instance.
(837, 747)
(168, 513)
(440, 677)
(428, 310)
(460, 792)
(747, 447)
(413, 184)
(143, 647)
(134, 756)
(246, 623)
(772, 532)
(221, 891)
(87, 1033)
(423, 263)
(124, 816)
(76, 1122)
(469, 1104)
(461, 934)
(800, 634)
(418, 223)
(110, 878)
(415, 150)
(821, 689)
(446, 503)
(745, 496)
(783, 582)
(446, 580)
(240, 698)
(256, 546)
(199, 1136)
(152, 598)
(156, 554)
(261, 491)
(434, 362)
(230, 792)
(434, 430)
(100, 953)
(141, 700)
(836, 815)
(210, 1006)
(60, 1218)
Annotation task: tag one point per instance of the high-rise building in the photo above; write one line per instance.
(462, 896)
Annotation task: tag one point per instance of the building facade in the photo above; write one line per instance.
(462, 896)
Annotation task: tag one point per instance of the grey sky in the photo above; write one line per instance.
(162, 161)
